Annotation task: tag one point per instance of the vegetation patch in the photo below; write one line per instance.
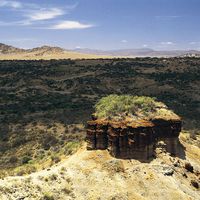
(120, 106)
(36, 95)
(45, 146)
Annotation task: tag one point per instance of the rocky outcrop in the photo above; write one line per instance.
(133, 139)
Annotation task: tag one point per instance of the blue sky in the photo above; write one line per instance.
(101, 24)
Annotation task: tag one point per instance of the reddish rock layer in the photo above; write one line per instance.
(132, 139)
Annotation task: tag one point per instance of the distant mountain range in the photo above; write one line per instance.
(7, 49)
(8, 52)
(84, 53)
(144, 52)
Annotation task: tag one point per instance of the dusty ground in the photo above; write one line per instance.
(96, 175)
(49, 56)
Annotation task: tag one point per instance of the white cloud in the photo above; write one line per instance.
(37, 16)
(66, 25)
(45, 14)
(30, 12)
(124, 41)
(167, 43)
(12, 4)
(145, 45)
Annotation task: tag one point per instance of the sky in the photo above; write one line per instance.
(101, 24)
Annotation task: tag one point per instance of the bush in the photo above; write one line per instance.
(195, 184)
(48, 141)
(189, 167)
(53, 177)
(71, 147)
(26, 159)
(67, 189)
(114, 166)
(115, 105)
(48, 196)
(55, 159)
(13, 159)
(27, 169)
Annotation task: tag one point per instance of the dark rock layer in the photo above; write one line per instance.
(133, 140)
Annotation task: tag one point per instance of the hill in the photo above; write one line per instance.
(45, 52)
(45, 104)
(7, 49)
(96, 175)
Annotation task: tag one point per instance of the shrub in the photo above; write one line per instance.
(55, 159)
(26, 159)
(48, 196)
(195, 184)
(26, 169)
(53, 177)
(67, 189)
(189, 167)
(71, 147)
(114, 105)
(48, 141)
(114, 166)
(20, 172)
(13, 159)
(120, 106)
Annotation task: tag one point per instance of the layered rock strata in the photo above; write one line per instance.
(133, 139)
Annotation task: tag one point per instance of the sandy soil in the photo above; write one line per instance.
(95, 175)
(49, 56)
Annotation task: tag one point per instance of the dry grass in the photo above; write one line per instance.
(40, 146)
(57, 56)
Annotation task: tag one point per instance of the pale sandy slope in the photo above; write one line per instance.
(95, 175)
(47, 56)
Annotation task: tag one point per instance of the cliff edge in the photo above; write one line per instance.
(132, 127)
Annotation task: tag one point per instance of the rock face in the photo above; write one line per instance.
(133, 139)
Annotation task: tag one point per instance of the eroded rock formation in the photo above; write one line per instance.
(133, 138)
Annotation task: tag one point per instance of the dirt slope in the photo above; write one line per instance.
(96, 175)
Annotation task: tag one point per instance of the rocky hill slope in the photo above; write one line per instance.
(41, 100)
(44, 52)
(96, 175)
(7, 49)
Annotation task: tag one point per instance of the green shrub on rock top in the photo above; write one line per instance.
(114, 106)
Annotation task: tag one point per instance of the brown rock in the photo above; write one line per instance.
(132, 139)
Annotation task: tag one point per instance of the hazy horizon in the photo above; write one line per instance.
(95, 49)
